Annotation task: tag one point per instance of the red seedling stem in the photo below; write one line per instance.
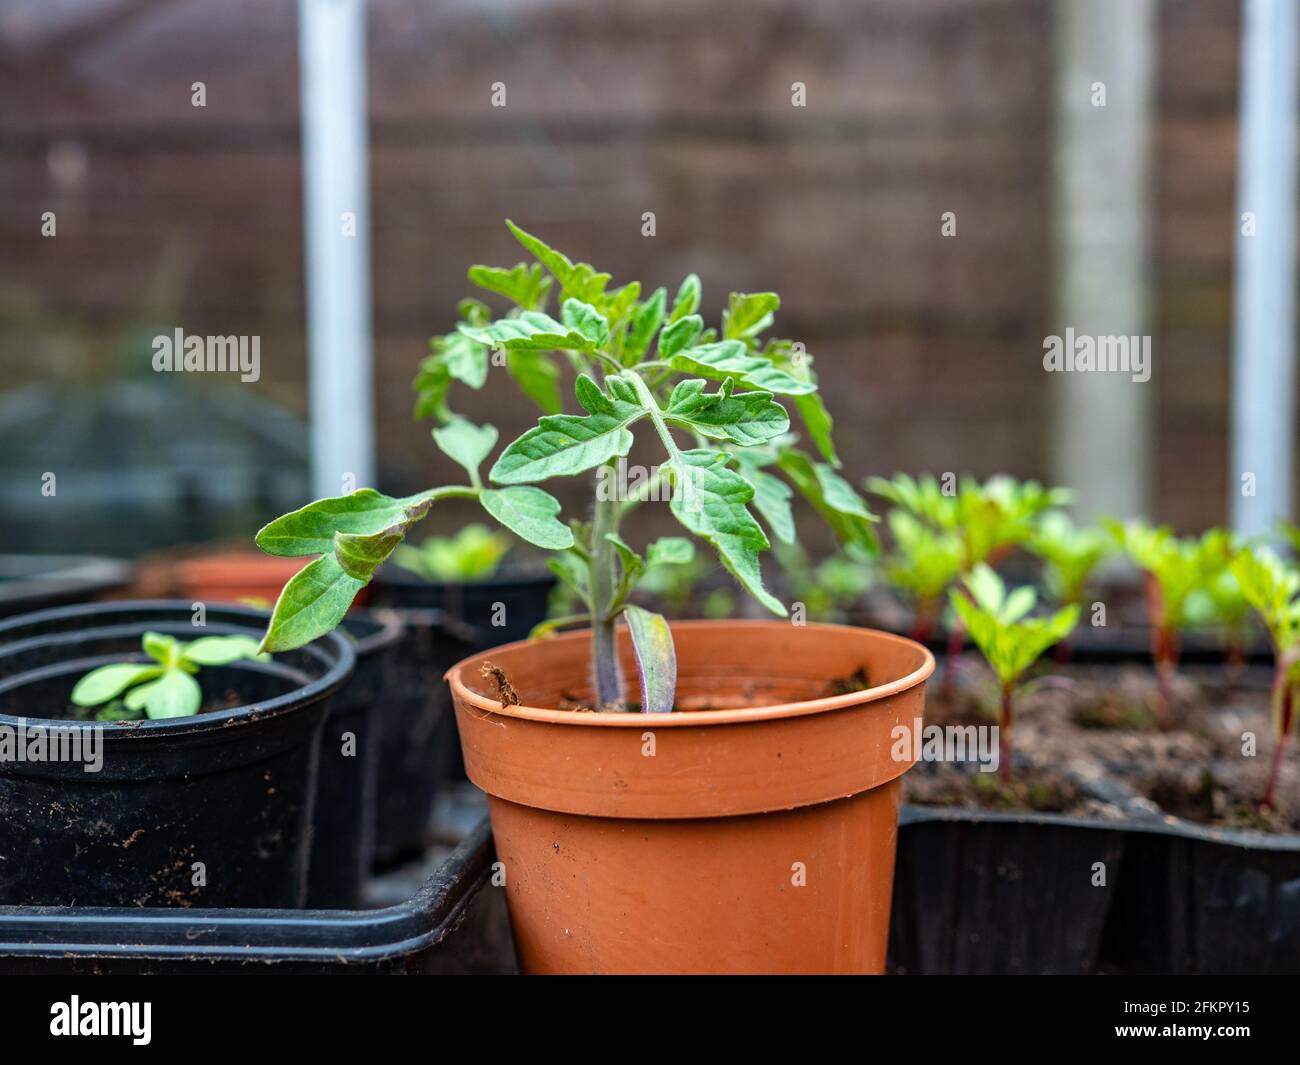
(1284, 708)
(1004, 735)
(1164, 649)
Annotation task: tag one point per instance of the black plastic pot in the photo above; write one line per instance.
(1204, 900)
(343, 844)
(977, 892)
(418, 732)
(212, 810)
(456, 924)
(499, 610)
(38, 582)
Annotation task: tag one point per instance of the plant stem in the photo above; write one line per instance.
(1283, 708)
(1005, 750)
(604, 647)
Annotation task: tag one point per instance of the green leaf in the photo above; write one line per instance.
(564, 444)
(670, 551)
(221, 650)
(747, 315)
(580, 280)
(528, 286)
(532, 331)
(105, 683)
(744, 418)
(730, 358)
(572, 570)
(680, 335)
(649, 317)
(312, 603)
(465, 359)
(817, 420)
(833, 497)
(585, 320)
(771, 495)
(160, 647)
(310, 530)
(530, 514)
(466, 443)
(688, 299)
(656, 661)
(431, 385)
(709, 500)
(174, 694)
(537, 377)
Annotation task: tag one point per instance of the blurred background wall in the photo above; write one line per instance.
(929, 348)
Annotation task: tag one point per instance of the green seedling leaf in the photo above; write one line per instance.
(834, 498)
(710, 501)
(530, 514)
(532, 331)
(670, 551)
(312, 603)
(652, 642)
(472, 554)
(525, 285)
(731, 358)
(221, 650)
(571, 569)
(586, 321)
(649, 317)
(680, 335)
(107, 682)
(537, 377)
(747, 315)
(771, 494)
(687, 301)
(745, 418)
(564, 444)
(310, 530)
(160, 647)
(174, 694)
(466, 443)
(578, 280)
(818, 422)
(1009, 643)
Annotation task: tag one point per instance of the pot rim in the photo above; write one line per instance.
(334, 651)
(688, 718)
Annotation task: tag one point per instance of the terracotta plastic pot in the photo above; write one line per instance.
(751, 832)
(236, 576)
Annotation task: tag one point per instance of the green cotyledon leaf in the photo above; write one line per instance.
(656, 660)
(564, 444)
(710, 500)
(744, 418)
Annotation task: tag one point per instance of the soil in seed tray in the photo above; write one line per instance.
(1097, 723)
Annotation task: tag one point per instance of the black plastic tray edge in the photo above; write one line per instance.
(268, 936)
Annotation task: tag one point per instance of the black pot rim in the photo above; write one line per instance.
(389, 632)
(334, 650)
(1153, 823)
(389, 573)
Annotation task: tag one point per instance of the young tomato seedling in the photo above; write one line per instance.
(1070, 554)
(922, 564)
(1173, 570)
(473, 554)
(1009, 639)
(712, 398)
(164, 688)
(1271, 587)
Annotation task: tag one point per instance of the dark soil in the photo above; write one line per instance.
(1097, 723)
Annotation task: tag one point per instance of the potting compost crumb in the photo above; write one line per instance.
(505, 690)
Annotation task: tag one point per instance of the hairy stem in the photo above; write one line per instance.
(604, 647)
